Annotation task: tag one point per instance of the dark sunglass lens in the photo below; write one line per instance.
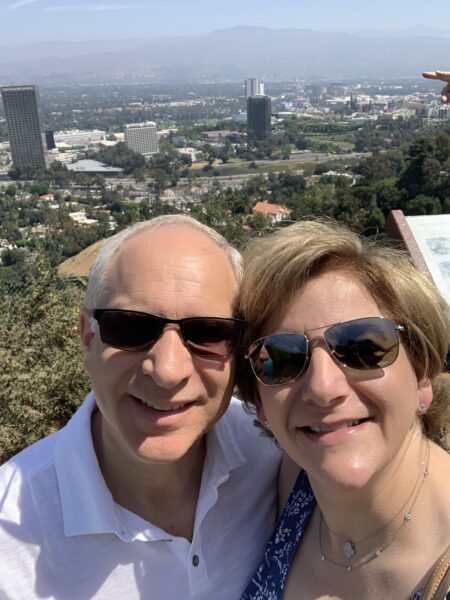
(280, 358)
(364, 344)
(129, 330)
(211, 337)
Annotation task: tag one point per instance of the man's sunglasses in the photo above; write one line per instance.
(208, 337)
(361, 344)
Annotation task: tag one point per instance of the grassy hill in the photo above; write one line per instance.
(79, 265)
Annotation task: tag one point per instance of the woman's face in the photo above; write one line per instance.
(341, 425)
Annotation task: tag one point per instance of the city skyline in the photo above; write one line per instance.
(32, 21)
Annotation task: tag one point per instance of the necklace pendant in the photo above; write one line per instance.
(349, 549)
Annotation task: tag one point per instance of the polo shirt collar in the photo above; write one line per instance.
(87, 504)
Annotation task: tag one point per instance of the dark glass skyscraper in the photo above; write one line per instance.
(258, 117)
(50, 140)
(24, 126)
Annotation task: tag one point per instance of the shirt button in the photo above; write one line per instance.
(195, 560)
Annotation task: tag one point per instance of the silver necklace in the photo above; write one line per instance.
(349, 546)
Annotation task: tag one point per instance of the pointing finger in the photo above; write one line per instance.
(442, 75)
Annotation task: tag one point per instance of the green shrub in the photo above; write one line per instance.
(42, 381)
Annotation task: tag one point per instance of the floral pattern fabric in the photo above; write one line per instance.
(269, 581)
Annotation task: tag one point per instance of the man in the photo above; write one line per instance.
(146, 493)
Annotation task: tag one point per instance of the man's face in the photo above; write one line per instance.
(156, 405)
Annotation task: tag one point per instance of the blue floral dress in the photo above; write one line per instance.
(269, 581)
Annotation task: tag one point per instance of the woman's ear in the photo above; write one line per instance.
(424, 388)
(261, 416)
(425, 394)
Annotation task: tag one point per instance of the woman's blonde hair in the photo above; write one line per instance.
(277, 267)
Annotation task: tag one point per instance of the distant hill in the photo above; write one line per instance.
(62, 49)
(417, 31)
(80, 264)
(233, 53)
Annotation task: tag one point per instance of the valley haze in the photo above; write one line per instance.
(228, 55)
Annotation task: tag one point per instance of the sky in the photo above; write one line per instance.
(28, 21)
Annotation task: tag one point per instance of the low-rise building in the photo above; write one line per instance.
(91, 167)
(47, 198)
(77, 137)
(216, 136)
(192, 152)
(273, 212)
(81, 219)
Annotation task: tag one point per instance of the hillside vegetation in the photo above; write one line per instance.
(42, 380)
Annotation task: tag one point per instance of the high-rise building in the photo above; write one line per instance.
(258, 117)
(50, 140)
(24, 126)
(141, 137)
(253, 87)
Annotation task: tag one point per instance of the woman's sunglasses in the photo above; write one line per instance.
(208, 337)
(361, 344)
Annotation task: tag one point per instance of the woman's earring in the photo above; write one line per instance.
(422, 409)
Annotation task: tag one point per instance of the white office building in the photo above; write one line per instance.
(77, 137)
(253, 87)
(141, 137)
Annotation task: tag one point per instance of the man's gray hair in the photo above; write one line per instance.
(113, 244)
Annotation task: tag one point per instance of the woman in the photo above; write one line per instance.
(345, 340)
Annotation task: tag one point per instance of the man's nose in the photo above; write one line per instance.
(168, 362)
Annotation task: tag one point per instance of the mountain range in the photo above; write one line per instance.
(229, 54)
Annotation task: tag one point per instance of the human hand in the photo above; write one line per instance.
(441, 76)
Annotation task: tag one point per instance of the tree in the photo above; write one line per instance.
(118, 156)
(412, 177)
(260, 224)
(423, 205)
(380, 166)
(224, 154)
(160, 182)
(128, 215)
(286, 152)
(39, 188)
(139, 175)
(11, 190)
(442, 147)
(12, 257)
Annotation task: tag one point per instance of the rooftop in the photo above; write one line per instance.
(93, 166)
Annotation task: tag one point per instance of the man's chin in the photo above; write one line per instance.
(168, 450)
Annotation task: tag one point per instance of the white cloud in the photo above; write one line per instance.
(20, 3)
(89, 7)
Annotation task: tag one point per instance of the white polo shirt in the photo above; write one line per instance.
(63, 536)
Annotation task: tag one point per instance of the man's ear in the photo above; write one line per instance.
(86, 330)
